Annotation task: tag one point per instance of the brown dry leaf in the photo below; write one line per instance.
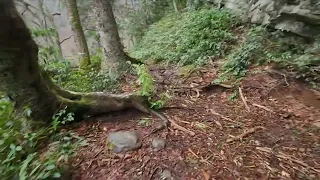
(205, 175)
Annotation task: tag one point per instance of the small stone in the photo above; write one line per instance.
(158, 144)
(317, 124)
(123, 141)
(301, 149)
(166, 175)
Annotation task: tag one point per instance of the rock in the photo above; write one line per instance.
(123, 141)
(317, 124)
(301, 17)
(166, 175)
(158, 144)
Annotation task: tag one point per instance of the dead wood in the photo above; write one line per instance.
(244, 100)
(247, 132)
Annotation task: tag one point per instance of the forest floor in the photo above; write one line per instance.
(275, 136)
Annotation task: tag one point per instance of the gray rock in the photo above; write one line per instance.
(158, 144)
(123, 141)
(301, 17)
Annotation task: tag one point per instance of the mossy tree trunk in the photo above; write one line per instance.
(79, 37)
(27, 84)
(114, 56)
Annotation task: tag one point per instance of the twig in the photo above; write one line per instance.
(154, 171)
(193, 153)
(244, 100)
(66, 39)
(56, 14)
(287, 157)
(181, 128)
(240, 136)
(281, 74)
(262, 107)
(273, 88)
(223, 117)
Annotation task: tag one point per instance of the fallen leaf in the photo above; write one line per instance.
(205, 175)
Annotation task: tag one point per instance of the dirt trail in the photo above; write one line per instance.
(279, 138)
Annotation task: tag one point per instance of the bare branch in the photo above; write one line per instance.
(66, 39)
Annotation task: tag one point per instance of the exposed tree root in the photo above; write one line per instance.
(27, 84)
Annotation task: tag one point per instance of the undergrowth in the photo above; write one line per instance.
(75, 79)
(22, 142)
(148, 89)
(262, 46)
(250, 51)
(189, 37)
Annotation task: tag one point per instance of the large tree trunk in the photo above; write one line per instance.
(79, 37)
(27, 84)
(115, 57)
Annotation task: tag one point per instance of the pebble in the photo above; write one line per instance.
(158, 144)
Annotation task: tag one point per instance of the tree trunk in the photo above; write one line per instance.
(115, 57)
(27, 84)
(79, 37)
(46, 14)
(175, 6)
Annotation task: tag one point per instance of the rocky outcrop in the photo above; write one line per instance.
(301, 17)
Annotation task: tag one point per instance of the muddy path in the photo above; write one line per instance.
(276, 136)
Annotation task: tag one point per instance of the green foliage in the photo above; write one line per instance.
(79, 80)
(147, 88)
(189, 37)
(137, 20)
(96, 59)
(252, 49)
(36, 32)
(58, 118)
(145, 81)
(20, 144)
(47, 54)
(261, 46)
(145, 122)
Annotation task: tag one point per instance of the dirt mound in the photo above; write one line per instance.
(276, 136)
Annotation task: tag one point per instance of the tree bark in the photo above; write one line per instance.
(27, 84)
(114, 56)
(80, 39)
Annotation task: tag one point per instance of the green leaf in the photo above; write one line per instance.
(18, 148)
(50, 167)
(56, 175)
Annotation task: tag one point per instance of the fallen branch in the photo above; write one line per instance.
(287, 157)
(244, 100)
(247, 132)
(262, 107)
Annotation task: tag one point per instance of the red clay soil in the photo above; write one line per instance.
(276, 137)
